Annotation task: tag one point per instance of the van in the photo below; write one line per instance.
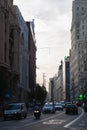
(15, 110)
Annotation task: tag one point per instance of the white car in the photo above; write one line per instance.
(58, 106)
(48, 108)
(15, 110)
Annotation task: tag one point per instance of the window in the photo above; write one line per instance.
(77, 36)
(83, 8)
(78, 31)
(83, 27)
(77, 25)
(85, 67)
(77, 8)
(77, 14)
(83, 33)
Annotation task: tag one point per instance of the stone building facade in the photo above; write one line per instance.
(78, 53)
(9, 50)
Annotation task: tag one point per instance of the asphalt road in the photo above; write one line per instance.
(57, 121)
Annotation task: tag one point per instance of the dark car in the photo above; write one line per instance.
(15, 110)
(85, 107)
(48, 108)
(71, 109)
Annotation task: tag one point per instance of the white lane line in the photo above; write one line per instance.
(66, 126)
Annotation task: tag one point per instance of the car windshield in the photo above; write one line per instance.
(48, 105)
(13, 107)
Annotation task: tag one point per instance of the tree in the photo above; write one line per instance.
(40, 94)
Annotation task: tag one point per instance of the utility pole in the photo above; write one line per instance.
(44, 81)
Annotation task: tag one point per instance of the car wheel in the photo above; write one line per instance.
(25, 115)
(5, 118)
(19, 117)
(76, 113)
(66, 112)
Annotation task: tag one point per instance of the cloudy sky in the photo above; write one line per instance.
(52, 32)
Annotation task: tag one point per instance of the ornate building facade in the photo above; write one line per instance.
(9, 50)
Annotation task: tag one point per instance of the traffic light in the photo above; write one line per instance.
(81, 97)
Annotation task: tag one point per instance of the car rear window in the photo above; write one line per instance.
(71, 106)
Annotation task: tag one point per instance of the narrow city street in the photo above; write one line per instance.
(56, 121)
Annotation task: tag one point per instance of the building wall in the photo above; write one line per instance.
(56, 96)
(78, 66)
(56, 86)
(24, 56)
(60, 83)
(66, 80)
(4, 36)
(51, 89)
(49, 95)
(32, 58)
(9, 47)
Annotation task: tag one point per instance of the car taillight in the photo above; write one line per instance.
(67, 108)
(75, 109)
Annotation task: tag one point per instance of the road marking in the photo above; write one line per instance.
(55, 121)
(54, 116)
(38, 121)
(67, 126)
(32, 123)
(82, 124)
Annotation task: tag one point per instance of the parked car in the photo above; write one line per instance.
(48, 108)
(15, 110)
(58, 106)
(71, 109)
